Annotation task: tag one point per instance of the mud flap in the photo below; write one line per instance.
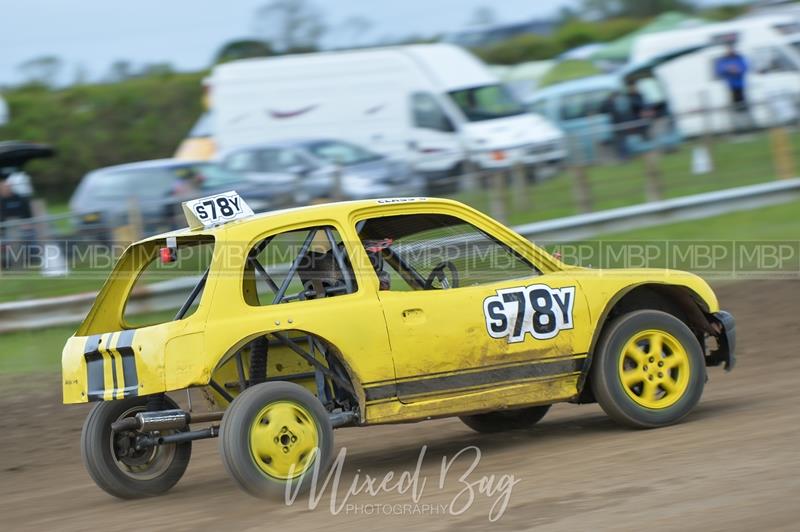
(726, 341)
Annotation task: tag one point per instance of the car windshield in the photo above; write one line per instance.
(487, 102)
(342, 153)
(152, 183)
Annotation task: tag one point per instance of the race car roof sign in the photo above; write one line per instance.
(215, 210)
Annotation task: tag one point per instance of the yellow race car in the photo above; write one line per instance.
(300, 321)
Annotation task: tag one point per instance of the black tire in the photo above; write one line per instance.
(619, 401)
(503, 420)
(156, 470)
(235, 438)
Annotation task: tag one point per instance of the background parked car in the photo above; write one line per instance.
(103, 198)
(361, 173)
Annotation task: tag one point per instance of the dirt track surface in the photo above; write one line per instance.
(733, 464)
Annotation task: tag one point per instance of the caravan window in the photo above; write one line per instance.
(428, 114)
(583, 104)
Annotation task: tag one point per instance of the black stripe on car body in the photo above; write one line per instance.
(95, 376)
(129, 375)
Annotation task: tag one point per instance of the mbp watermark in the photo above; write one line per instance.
(455, 477)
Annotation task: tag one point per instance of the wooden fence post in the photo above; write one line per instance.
(497, 196)
(520, 199)
(653, 187)
(582, 189)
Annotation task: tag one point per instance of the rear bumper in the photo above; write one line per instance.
(725, 353)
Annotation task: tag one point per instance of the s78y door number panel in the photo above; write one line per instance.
(536, 309)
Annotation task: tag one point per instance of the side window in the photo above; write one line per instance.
(428, 114)
(437, 251)
(298, 265)
(242, 161)
(279, 160)
(187, 267)
(769, 60)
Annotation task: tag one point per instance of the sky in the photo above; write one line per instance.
(91, 34)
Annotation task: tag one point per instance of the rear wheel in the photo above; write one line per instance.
(275, 434)
(116, 465)
(504, 420)
(649, 370)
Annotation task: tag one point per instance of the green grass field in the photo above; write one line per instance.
(40, 351)
(736, 163)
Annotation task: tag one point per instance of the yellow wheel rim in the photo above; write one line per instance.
(654, 369)
(283, 440)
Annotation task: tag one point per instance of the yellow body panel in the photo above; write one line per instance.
(409, 355)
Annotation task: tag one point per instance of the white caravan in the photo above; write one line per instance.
(695, 93)
(434, 105)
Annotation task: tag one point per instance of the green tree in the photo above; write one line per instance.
(242, 49)
(606, 9)
(527, 47)
(92, 126)
(290, 25)
(43, 70)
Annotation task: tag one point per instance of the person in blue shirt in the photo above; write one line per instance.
(732, 68)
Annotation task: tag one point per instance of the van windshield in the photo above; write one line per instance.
(487, 102)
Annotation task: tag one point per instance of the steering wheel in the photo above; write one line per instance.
(439, 273)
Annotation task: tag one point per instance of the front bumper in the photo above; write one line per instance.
(531, 155)
(725, 353)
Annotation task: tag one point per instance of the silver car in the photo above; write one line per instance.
(323, 165)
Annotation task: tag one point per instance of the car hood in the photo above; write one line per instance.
(510, 132)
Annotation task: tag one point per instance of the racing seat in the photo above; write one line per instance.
(320, 275)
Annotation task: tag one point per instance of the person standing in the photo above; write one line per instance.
(732, 69)
(629, 116)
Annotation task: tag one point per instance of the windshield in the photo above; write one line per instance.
(342, 153)
(152, 183)
(487, 102)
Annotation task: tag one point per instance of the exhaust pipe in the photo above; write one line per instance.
(163, 420)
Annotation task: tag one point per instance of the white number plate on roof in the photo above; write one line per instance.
(215, 210)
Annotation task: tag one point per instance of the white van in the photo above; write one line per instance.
(3, 112)
(434, 105)
(691, 83)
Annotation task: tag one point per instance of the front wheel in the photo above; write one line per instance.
(648, 370)
(504, 420)
(274, 434)
(116, 465)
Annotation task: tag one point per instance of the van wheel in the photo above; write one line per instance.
(274, 434)
(504, 420)
(649, 370)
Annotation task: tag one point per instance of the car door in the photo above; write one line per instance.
(489, 318)
(435, 144)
